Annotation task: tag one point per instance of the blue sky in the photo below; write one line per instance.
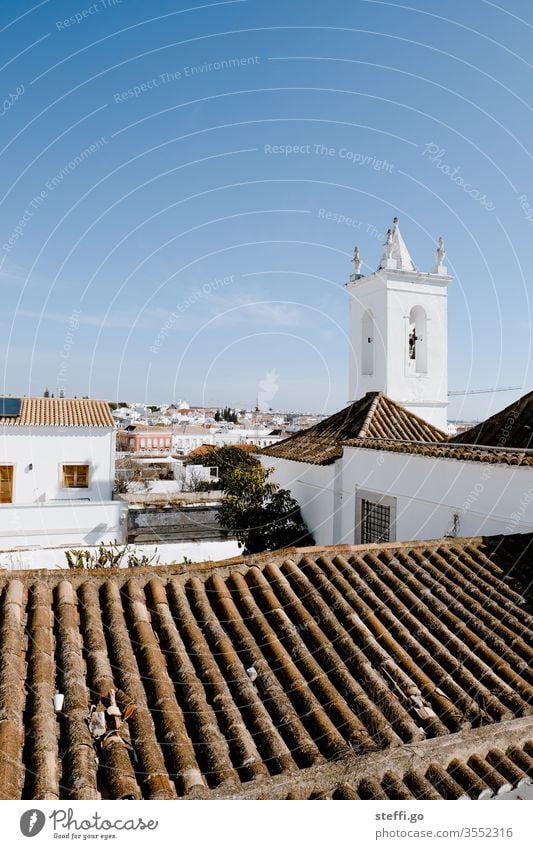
(154, 247)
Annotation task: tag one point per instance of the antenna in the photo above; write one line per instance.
(484, 391)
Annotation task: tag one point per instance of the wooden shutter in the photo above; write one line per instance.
(76, 477)
(6, 484)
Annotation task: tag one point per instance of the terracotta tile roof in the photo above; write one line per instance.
(510, 428)
(273, 673)
(205, 448)
(471, 453)
(483, 764)
(61, 412)
(375, 415)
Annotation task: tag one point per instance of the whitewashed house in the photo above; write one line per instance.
(188, 438)
(371, 478)
(57, 464)
(376, 472)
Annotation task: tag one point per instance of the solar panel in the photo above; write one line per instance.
(10, 406)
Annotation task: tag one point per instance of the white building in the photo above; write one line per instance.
(357, 485)
(376, 472)
(188, 438)
(398, 331)
(57, 463)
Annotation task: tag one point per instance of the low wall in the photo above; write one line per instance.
(69, 523)
(163, 554)
(173, 523)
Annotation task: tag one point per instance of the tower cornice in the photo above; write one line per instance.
(384, 274)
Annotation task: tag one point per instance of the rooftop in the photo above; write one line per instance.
(396, 254)
(60, 412)
(469, 453)
(510, 428)
(373, 416)
(388, 671)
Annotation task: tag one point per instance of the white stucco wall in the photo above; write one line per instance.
(425, 394)
(195, 552)
(487, 498)
(368, 297)
(312, 487)
(390, 296)
(46, 449)
(69, 523)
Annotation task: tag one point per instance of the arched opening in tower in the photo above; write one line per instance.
(417, 341)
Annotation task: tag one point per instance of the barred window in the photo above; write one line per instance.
(76, 477)
(375, 522)
(375, 517)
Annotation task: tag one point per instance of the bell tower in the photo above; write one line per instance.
(399, 330)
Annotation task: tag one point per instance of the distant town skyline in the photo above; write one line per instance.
(182, 189)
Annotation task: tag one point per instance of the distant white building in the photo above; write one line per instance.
(188, 438)
(57, 464)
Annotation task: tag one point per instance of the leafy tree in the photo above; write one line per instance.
(263, 516)
(46, 393)
(227, 459)
(226, 415)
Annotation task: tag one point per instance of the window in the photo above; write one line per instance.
(76, 477)
(367, 340)
(375, 518)
(417, 342)
(6, 484)
(375, 522)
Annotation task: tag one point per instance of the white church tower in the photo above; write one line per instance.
(398, 331)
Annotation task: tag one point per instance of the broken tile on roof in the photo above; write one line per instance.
(300, 672)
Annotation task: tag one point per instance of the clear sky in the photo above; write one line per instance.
(157, 244)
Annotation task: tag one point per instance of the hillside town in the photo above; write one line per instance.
(227, 604)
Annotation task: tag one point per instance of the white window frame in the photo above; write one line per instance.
(375, 498)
